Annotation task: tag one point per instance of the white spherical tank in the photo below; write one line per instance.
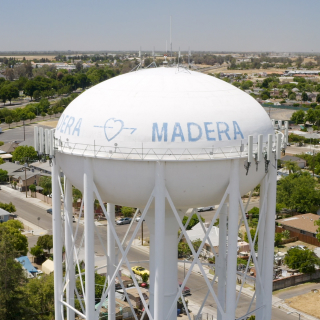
(184, 117)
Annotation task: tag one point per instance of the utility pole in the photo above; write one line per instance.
(142, 233)
(25, 178)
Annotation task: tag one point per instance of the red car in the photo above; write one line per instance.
(185, 290)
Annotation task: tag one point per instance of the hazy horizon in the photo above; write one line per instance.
(230, 26)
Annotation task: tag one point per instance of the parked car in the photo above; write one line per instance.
(185, 291)
(123, 221)
(202, 209)
(49, 210)
(140, 270)
(138, 219)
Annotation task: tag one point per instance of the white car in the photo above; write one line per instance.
(138, 219)
(202, 209)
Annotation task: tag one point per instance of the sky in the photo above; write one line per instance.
(202, 25)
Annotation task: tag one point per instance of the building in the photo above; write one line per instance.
(123, 310)
(48, 267)
(9, 147)
(30, 270)
(27, 178)
(197, 233)
(4, 215)
(43, 167)
(300, 162)
(301, 226)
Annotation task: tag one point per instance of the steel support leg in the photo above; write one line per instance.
(269, 240)
(57, 241)
(111, 262)
(89, 239)
(220, 263)
(68, 218)
(232, 241)
(159, 312)
(259, 293)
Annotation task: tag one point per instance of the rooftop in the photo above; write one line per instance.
(11, 167)
(301, 222)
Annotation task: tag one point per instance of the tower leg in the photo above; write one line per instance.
(57, 241)
(232, 241)
(69, 253)
(220, 263)
(159, 274)
(111, 262)
(89, 239)
(259, 292)
(269, 240)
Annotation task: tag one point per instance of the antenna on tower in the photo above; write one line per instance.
(189, 55)
(137, 67)
(170, 39)
(153, 53)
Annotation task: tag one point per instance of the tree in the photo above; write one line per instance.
(302, 259)
(2, 161)
(46, 184)
(31, 116)
(252, 233)
(24, 154)
(9, 91)
(8, 120)
(298, 116)
(254, 211)
(32, 188)
(310, 116)
(11, 279)
(127, 211)
(298, 192)
(304, 96)
(39, 298)
(10, 208)
(45, 242)
(291, 166)
(3, 174)
(317, 223)
(277, 239)
(13, 233)
(43, 114)
(292, 96)
(286, 234)
(36, 251)
(193, 221)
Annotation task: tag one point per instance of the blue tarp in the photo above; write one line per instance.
(25, 262)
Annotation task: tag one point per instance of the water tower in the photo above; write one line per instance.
(163, 140)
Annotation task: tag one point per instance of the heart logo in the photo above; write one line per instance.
(112, 128)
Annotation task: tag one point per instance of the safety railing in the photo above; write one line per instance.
(118, 152)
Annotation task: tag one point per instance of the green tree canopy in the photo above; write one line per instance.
(39, 298)
(46, 184)
(10, 208)
(36, 251)
(24, 154)
(298, 191)
(11, 278)
(45, 242)
(302, 259)
(193, 221)
(3, 175)
(127, 211)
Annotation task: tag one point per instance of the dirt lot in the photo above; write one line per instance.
(49, 123)
(286, 247)
(250, 71)
(308, 303)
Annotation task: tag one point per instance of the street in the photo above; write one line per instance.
(196, 283)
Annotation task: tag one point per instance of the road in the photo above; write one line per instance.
(196, 283)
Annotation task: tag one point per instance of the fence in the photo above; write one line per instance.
(302, 237)
(204, 316)
(294, 280)
(284, 107)
(40, 196)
